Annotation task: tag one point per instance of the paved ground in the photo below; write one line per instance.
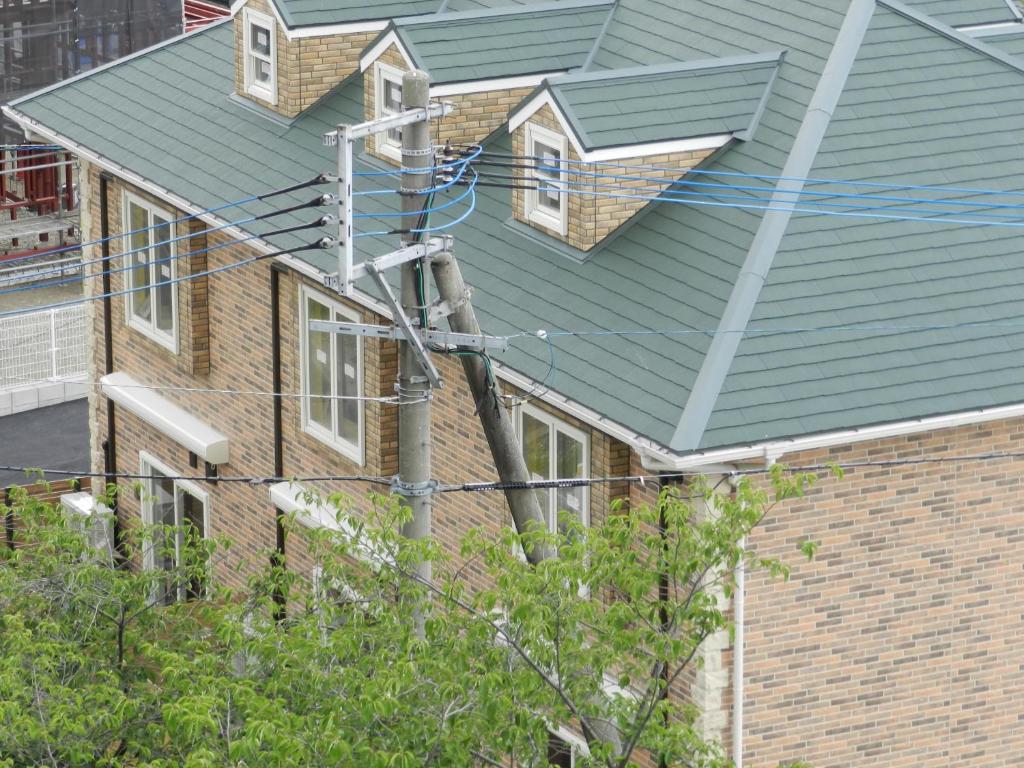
(37, 297)
(55, 437)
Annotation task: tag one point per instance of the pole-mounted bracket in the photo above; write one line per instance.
(410, 490)
(466, 340)
(439, 309)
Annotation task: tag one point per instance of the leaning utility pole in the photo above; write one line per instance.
(494, 417)
(414, 482)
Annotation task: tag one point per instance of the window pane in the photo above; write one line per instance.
(548, 176)
(261, 70)
(161, 491)
(559, 752)
(163, 293)
(318, 370)
(259, 41)
(346, 354)
(537, 450)
(138, 276)
(192, 516)
(569, 464)
(392, 104)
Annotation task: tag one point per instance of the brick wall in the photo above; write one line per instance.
(233, 308)
(307, 67)
(592, 217)
(899, 645)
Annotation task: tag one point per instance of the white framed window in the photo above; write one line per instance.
(184, 506)
(332, 370)
(565, 749)
(546, 201)
(260, 52)
(152, 305)
(553, 449)
(387, 87)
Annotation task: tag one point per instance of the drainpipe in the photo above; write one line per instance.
(110, 444)
(738, 607)
(278, 558)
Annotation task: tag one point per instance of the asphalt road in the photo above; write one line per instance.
(55, 437)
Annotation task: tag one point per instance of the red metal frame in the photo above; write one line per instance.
(39, 174)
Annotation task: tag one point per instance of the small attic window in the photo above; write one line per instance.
(546, 201)
(388, 87)
(260, 56)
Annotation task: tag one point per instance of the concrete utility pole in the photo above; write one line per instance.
(414, 480)
(494, 417)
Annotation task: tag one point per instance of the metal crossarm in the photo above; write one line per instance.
(467, 340)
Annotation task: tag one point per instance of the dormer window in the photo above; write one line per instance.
(260, 56)
(546, 198)
(388, 87)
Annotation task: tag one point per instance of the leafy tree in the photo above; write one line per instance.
(96, 670)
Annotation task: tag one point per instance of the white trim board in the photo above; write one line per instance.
(375, 51)
(773, 450)
(166, 417)
(496, 84)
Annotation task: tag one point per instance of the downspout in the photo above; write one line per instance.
(110, 444)
(277, 560)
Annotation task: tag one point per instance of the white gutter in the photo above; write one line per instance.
(774, 450)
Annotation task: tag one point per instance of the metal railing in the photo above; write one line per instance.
(27, 271)
(49, 345)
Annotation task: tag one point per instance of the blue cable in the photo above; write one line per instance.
(398, 171)
(432, 209)
(234, 265)
(190, 217)
(768, 177)
(683, 195)
(792, 208)
(682, 181)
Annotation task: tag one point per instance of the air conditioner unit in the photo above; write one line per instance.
(93, 519)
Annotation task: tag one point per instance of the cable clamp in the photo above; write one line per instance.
(413, 490)
(418, 152)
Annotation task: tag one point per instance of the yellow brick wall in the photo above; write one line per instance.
(593, 213)
(307, 67)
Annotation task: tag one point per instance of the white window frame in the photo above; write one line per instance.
(556, 425)
(385, 72)
(147, 465)
(577, 746)
(355, 452)
(252, 86)
(535, 212)
(170, 341)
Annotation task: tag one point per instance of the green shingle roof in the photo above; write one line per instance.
(920, 106)
(455, 47)
(305, 13)
(1011, 41)
(651, 104)
(968, 13)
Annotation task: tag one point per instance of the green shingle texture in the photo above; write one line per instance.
(921, 106)
(505, 44)
(641, 106)
(968, 13)
(1012, 43)
(305, 13)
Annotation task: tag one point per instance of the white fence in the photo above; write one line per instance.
(45, 346)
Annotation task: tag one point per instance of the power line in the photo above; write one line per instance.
(387, 400)
(765, 177)
(317, 244)
(321, 179)
(566, 482)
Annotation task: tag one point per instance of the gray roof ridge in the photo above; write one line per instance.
(953, 34)
(721, 352)
(599, 40)
(117, 62)
(677, 67)
(447, 17)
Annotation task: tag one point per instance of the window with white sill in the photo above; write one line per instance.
(152, 302)
(183, 511)
(260, 52)
(546, 201)
(555, 450)
(388, 90)
(332, 375)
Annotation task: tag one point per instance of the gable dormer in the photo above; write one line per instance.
(289, 53)
(481, 62)
(599, 146)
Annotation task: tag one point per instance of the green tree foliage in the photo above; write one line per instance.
(95, 670)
